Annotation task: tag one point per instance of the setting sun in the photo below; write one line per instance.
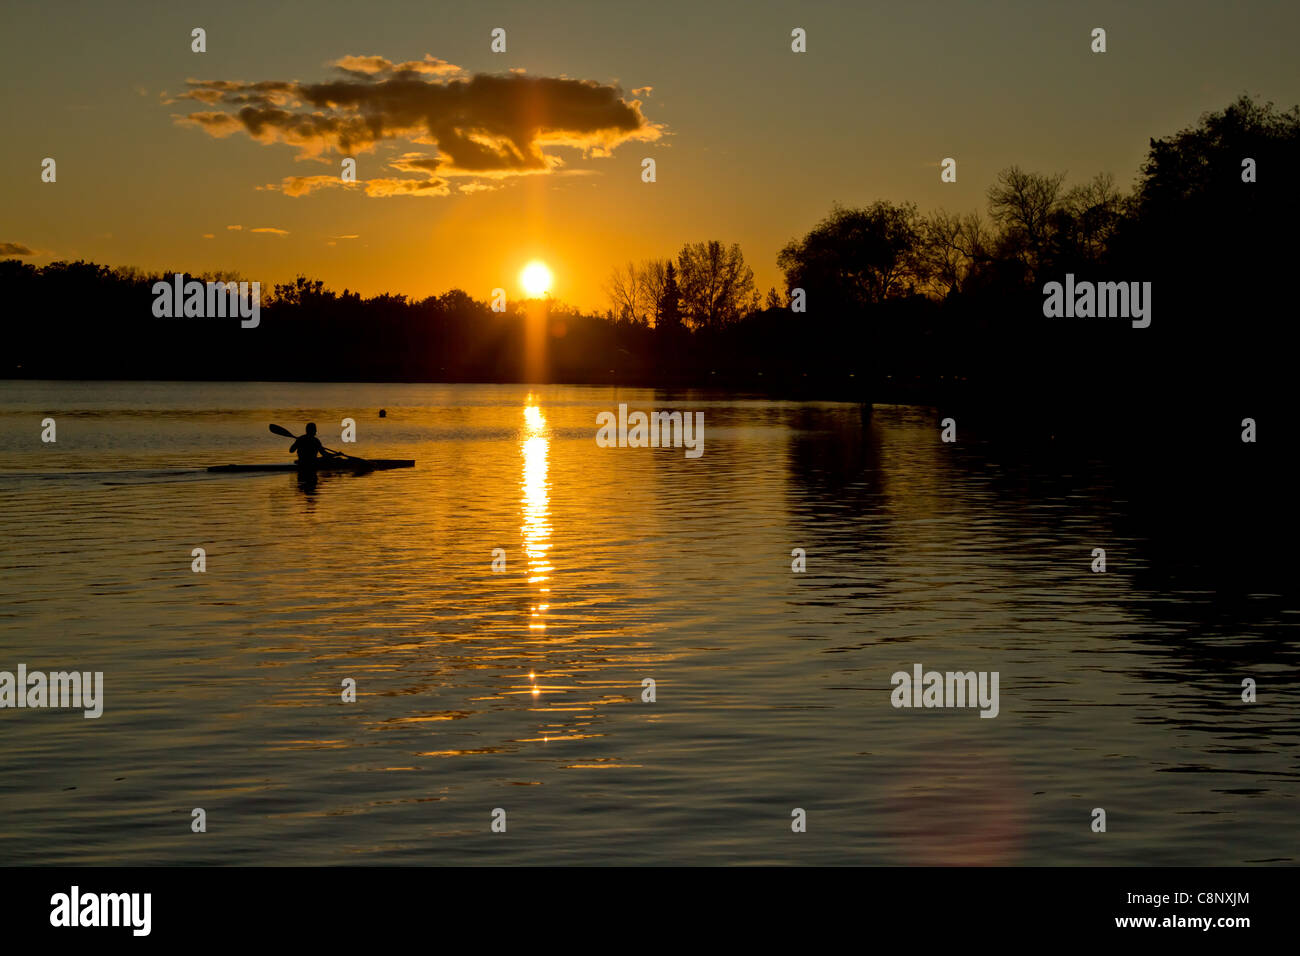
(536, 279)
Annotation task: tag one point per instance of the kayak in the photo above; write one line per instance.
(326, 464)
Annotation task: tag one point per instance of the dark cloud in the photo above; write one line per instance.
(15, 249)
(482, 125)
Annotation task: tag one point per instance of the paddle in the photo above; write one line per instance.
(281, 430)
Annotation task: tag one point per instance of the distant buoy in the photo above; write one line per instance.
(383, 414)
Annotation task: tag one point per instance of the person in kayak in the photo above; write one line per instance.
(308, 447)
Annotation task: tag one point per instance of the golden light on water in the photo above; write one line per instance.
(536, 528)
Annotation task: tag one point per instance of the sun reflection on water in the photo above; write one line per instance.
(536, 529)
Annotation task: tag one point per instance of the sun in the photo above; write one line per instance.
(536, 279)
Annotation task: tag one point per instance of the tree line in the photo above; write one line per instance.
(927, 305)
(707, 287)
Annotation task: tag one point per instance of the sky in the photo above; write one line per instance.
(475, 163)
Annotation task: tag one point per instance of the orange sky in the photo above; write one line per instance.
(488, 160)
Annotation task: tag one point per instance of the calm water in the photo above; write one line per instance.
(522, 690)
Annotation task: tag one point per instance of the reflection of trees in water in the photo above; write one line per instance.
(1215, 520)
(1209, 519)
(834, 453)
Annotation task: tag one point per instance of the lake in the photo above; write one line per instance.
(522, 689)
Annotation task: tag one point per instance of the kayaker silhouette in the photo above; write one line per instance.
(308, 446)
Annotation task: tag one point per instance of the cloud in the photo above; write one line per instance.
(208, 235)
(15, 249)
(302, 185)
(483, 125)
(369, 66)
(215, 124)
(418, 163)
(407, 187)
(345, 237)
(233, 92)
(265, 229)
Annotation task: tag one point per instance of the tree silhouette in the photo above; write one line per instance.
(1023, 205)
(670, 301)
(716, 285)
(857, 257)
